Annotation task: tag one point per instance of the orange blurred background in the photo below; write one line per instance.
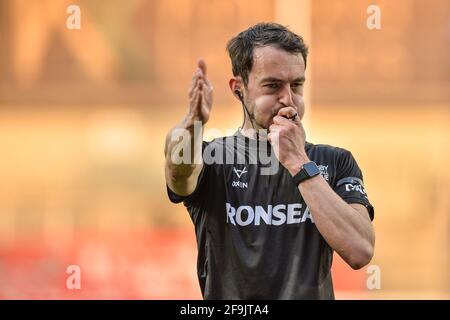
(84, 113)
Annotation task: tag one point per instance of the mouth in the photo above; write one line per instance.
(289, 118)
(275, 112)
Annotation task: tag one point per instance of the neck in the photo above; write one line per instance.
(256, 132)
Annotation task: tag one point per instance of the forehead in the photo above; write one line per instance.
(269, 61)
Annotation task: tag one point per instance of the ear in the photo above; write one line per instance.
(236, 84)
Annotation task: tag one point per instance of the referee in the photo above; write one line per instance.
(267, 236)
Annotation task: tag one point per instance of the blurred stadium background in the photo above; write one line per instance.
(84, 113)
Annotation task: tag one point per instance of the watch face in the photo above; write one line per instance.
(311, 169)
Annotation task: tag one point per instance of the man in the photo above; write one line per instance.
(267, 236)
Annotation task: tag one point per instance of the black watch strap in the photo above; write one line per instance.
(307, 171)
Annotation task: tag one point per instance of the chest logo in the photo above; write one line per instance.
(239, 173)
(237, 183)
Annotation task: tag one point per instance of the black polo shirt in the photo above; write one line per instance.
(256, 237)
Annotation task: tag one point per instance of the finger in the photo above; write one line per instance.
(282, 121)
(273, 136)
(193, 85)
(289, 113)
(197, 99)
(207, 83)
(202, 65)
(195, 81)
(205, 78)
(193, 96)
(200, 84)
(196, 75)
(274, 128)
(197, 90)
(191, 90)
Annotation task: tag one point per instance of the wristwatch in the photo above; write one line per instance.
(307, 171)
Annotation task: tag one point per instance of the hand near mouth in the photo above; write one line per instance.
(288, 137)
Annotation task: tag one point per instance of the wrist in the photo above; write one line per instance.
(294, 165)
(190, 120)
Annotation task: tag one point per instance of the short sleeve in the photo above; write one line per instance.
(175, 198)
(349, 184)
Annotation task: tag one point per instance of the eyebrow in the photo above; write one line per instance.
(274, 79)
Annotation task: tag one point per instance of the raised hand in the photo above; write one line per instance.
(200, 94)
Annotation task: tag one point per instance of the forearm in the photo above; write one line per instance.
(346, 230)
(183, 150)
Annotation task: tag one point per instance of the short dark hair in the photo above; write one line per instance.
(241, 47)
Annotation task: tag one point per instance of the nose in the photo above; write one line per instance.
(286, 96)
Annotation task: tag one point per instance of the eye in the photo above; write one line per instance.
(297, 85)
(272, 85)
